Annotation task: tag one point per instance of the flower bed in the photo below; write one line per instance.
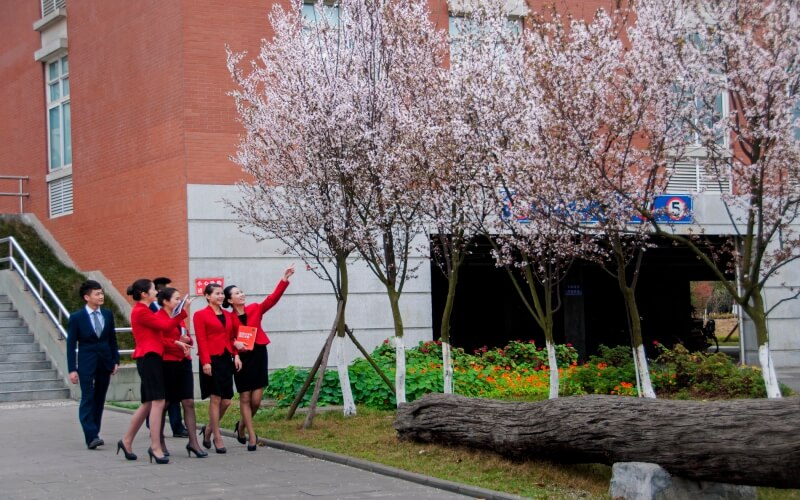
(520, 371)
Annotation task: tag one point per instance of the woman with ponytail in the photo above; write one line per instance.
(147, 328)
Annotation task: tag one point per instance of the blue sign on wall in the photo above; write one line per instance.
(673, 208)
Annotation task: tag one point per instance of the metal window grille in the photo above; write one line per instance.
(60, 191)
(50, 6)
(693, 178)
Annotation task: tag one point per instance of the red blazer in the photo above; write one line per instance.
(255, 311)
(214, 339)
(171, 351)
(147, 328)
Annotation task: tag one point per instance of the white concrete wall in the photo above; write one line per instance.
(784, 321)
(299, 324)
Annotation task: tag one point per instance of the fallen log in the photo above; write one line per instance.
(746, 441)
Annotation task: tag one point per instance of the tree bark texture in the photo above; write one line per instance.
(746, 441)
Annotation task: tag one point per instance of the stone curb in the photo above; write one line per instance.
(385, 470)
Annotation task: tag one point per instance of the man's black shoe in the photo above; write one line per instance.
(181, 434)
(94, 443)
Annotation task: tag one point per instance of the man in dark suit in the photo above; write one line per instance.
(91, 331)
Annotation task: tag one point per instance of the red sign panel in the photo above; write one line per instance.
(200, 284)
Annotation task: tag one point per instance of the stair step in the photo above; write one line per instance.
(11, 322)
(34, 395)
(16, 366)
(13, 330)
(22, 357)
(31, 385)
(14, 376)
(21, 347)
(23, 336)
(8, 313)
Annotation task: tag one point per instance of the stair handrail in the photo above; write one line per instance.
(23, 270)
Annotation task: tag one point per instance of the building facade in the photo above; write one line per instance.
(118, 115)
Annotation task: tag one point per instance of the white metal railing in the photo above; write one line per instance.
(19, 261)
(39, 288)
(21, 193)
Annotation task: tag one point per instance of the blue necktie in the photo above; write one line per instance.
(98, 328)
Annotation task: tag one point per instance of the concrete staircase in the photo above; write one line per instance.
(25, 372)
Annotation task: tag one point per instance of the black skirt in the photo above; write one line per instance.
(220, 383)
(254, 374)
(151, 373)
(178, 380)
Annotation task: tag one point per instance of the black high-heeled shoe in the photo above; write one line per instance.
(164, 449)
(128, 455)
(206, 442)
(198, 453)
(253, 447)
(220, 450)
(239, 437)
(159, 460)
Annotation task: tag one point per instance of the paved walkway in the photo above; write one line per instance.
(42, 455)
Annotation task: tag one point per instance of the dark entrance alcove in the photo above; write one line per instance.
(489, 312)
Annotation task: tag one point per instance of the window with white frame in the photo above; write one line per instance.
(58, 113)
(460, 26)
(330, 12)
(59, 136)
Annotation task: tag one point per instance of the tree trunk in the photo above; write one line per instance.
(447, 361)
(759, 317)
(553, 361)
(344, 378)
(447, 368)
(400, 370)
(748, 441)
(399, 348)
(349, 404)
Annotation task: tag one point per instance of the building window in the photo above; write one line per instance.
(60, 196)
(58, 113)
(461, 27)
(50, 6)
(312, 16)
(693, 176)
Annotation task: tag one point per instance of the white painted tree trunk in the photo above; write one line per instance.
(400, 370)
(344, 377)
(553, 361)
(768, 371)
(644, 372)
(447, 368)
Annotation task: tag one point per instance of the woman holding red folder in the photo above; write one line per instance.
(147, 328)
(178, 376)
(215, 330)
(253, 377)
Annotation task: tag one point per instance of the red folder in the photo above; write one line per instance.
(247, 336)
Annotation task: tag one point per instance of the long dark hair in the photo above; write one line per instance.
(138, 288)
(227, 291)
(165, 294)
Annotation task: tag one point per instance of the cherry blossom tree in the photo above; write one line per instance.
(745, 54)
(300, 148)
(360, 88)
(610, 122)
(458, 201)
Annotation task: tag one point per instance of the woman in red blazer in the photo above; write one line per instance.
(178, 376)
(147, 328)
(253, 377)
(215, 330)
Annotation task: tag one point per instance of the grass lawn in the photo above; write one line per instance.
(370, 436)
